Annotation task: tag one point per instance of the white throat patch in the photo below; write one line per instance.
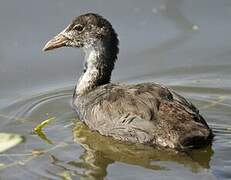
(88, 78)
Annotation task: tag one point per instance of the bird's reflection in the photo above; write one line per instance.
(101, 151)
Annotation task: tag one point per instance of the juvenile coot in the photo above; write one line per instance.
(145, 113)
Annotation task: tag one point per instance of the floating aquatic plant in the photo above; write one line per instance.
(8, 140)
(39, 130)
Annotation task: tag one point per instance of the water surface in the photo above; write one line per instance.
(180, 43)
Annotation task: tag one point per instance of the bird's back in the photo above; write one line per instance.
(144, 113)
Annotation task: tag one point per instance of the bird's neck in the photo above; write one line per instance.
(98, 65)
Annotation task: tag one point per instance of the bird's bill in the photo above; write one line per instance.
(56, 42)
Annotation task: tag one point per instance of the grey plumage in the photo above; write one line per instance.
(145, 113)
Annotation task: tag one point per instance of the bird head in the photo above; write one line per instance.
(84, 31)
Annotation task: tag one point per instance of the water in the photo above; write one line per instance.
(180, 43)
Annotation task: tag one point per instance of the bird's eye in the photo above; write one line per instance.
(78, 27)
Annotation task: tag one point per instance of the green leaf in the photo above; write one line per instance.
(43, 124)
(39, 129)
(8, 141)
(43, 136)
